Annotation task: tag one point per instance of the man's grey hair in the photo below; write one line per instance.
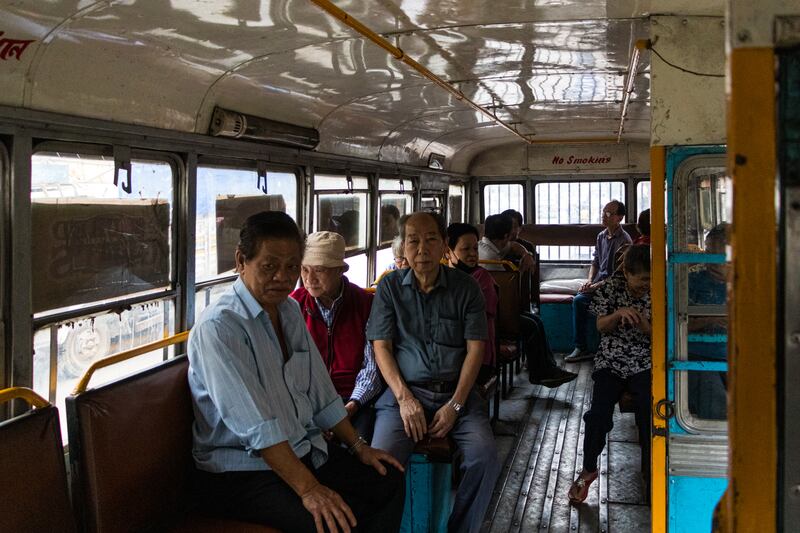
(441, 225)
(397, 246)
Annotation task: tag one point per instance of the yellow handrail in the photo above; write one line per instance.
(507, 264)
(124, 356)
(23, 393)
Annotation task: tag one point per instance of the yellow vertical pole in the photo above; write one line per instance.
(751, 499)
(658, 296)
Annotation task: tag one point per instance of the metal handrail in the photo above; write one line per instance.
(23, 393)
(124, 356)
(507, 264)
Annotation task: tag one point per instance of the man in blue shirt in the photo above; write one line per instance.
(609, 241)
(262, 397)
(428, 324)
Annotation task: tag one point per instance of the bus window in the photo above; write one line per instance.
(708, 194)
(226, 196)
(499, 197)
(344, 209)
(573, 202)
(642, 197)
(98, 244)
(432, 202)
(395, 201)
(455, 208)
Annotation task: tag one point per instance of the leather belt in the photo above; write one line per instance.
(439, 387)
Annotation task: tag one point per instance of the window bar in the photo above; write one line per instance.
(53, 363)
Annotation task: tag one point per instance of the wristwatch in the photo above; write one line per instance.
(457, 407)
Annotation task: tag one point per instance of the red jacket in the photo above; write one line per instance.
(341, 346)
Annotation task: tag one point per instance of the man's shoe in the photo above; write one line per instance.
(559, 377)
(578, 355)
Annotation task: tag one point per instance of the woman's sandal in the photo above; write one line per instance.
(580, 488)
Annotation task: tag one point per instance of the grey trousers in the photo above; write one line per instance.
(473, 437)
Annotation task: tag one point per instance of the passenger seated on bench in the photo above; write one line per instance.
(643, 226)
(708, 286)
(622, 307)
(428, 324)
(497, 244)
(608, 242)
(542, 367)
(462, 253)
(262, 397)
(336, 313)
(516, 226)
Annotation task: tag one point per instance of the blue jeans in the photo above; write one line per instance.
(473, 437)
(582, 320)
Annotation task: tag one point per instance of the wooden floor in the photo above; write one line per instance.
(540, 435)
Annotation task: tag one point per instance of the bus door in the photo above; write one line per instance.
(698, 210)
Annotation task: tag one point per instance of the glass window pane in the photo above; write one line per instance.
(404, 185)
(225, 198)
(432, 203)
(358, 270)
(93, 240)
(642, 196)
(393, 206)
(82, 341)
(384, 260)
(573, 202)
(708, 203)
(207, 296)
(329, 182)
(499, 197)
(346, 214)
(707, 395)
(456, 203)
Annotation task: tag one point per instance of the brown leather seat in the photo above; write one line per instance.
(556, 298)
(130, 451)
(34, 494)
(437, 450)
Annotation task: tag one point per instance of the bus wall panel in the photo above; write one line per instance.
(688, 108)
(753, 24)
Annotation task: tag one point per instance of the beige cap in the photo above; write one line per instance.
(326, 249)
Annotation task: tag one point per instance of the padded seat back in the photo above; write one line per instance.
(509, 304)
(130, 450)
(34, 494)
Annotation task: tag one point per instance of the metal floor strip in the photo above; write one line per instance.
(552, 481)
(574, 511)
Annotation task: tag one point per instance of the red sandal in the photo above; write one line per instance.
(580, 488)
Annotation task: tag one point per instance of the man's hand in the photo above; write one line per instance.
(443, 421)
(325, 504)
(375, 458)
(586, 287)
(413, 418)
(351, 407)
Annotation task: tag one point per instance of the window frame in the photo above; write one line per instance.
(525, 195)
(54, 319)
(251, 165)
(315, 193)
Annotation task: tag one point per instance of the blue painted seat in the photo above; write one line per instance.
(429, 475)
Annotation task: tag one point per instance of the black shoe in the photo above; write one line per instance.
(559, 377)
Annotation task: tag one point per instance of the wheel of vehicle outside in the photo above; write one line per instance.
(84, 345)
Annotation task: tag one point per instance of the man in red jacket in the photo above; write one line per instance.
(336, 313)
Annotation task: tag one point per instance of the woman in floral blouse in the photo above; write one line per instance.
(623, 362)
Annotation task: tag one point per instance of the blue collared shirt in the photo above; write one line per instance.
(368, 381)
(605, 251)
(428, 331)
(245, 397)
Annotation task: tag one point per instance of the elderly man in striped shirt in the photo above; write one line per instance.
(336, 313)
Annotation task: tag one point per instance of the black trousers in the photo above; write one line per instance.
(607, 391)
(264, 498)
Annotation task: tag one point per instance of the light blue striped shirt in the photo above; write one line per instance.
(245, 397)
(368, 381)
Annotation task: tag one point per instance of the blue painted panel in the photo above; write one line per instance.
(428, 496)
(688, 257)
(707, 366)
(557, 319)
(692, 501)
